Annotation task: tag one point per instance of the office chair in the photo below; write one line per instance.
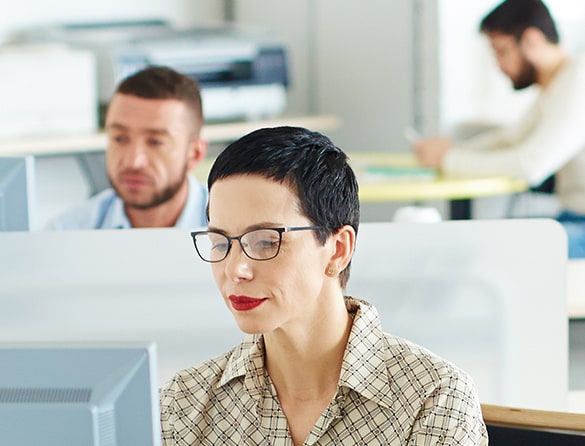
(546, 188)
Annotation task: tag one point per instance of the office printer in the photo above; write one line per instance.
(243, 74)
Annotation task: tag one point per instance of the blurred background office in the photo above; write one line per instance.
(379, 66)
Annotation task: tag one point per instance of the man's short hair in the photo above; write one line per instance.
(157, 82)
(309, 163)
(513, 17)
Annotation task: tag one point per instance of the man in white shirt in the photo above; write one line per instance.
(550, 138)
(153, 125)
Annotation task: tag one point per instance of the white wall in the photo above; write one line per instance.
(352, 59)
(290, 22)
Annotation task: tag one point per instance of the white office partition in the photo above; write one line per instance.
(488, 295)
(118, 285)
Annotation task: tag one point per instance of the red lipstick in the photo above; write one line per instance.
(244, 303)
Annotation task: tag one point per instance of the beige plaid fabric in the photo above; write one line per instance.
(390, 392)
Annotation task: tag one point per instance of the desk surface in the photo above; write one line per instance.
(96, 142)
(380, 188)
(373, 188)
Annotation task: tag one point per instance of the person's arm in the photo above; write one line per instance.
(432, 151)
(556, 135)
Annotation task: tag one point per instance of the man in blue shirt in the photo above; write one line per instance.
(153, 125)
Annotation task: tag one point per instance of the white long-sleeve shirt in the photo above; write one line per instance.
(549, 139)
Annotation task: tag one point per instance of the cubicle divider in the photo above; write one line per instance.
(487, 295)
(112, 285)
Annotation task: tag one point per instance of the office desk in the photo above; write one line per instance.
(416, 186)
(424, 187)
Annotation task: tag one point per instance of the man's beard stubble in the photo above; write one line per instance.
(157, 198)
(526, 77)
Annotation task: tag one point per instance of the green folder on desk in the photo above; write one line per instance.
(391, 173)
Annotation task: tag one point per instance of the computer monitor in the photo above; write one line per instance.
(17, 193)
(79, 394)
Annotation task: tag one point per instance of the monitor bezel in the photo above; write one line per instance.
(17, 193)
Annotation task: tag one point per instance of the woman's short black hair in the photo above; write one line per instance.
(306, 161)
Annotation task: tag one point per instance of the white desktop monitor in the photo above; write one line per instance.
(79, 394)
(17, 193)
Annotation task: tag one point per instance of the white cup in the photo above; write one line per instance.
(417, 214)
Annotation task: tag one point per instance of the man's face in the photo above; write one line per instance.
(151, 145)
(512, 61)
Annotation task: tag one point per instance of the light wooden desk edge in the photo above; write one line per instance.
(96, 142)
(530, 418)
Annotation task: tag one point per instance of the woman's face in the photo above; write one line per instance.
(268, 295)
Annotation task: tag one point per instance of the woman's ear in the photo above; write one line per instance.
(343, 247)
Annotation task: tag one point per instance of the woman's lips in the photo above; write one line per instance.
(244, 303)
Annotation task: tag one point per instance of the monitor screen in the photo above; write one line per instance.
(17, 193)
(79, 394)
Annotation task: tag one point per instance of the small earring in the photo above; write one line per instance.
(330, 271)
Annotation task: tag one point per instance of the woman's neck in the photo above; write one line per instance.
(305, 362)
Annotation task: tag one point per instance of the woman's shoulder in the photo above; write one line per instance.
(410, 359)
(201, 379)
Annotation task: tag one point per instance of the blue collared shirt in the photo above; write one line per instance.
(106, 211)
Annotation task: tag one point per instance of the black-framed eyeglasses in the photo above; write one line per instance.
(259, 244)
